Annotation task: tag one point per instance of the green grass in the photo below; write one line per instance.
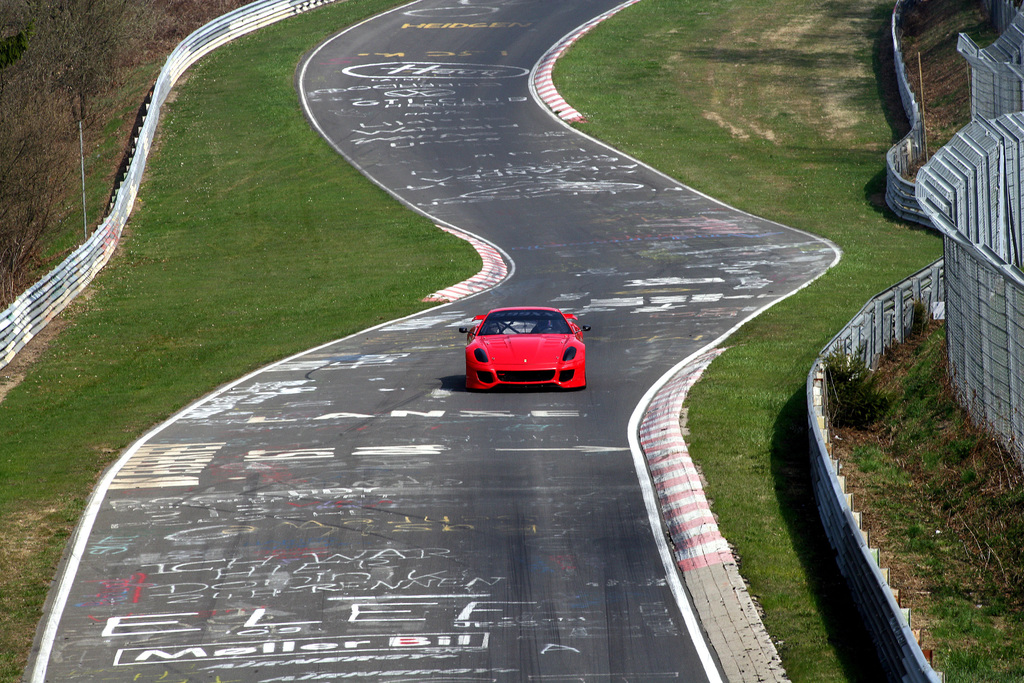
(949, 506)
(251, 240)
(104, 149)
(245, 248)
(778, 114)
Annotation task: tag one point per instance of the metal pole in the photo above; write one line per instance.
(81, 150)
(924, 127)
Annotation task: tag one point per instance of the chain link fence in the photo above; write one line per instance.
(997, 80)
(996, 74)
(985, 333)
(973, 192)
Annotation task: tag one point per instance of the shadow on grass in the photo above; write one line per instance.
(883, 63)
(791, 473)
(874, 194)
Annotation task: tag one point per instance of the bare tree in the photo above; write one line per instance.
(86, 45)
(35, 171)
(62, 56)
(58, 61)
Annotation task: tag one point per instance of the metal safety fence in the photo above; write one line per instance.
(996, 75)
(993, 83)
(44, 300)
(885, 320)
(908, 152)
(973, 190)
(985, 315)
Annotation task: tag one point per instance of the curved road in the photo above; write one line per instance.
(352, 512)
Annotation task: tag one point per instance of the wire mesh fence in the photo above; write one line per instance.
(973, 191)
(985, 333)
(996, 75)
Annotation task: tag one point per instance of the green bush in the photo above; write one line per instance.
(854, 398)
(920, 319)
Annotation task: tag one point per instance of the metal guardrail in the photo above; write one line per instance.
(887, 318)
(884, 321)
(900, 193)
(971, 191)
(901, 157)
(44, 300)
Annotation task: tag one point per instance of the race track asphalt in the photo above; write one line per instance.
(354, 512)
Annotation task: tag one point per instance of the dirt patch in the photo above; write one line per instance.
(23, 535)
(717, 119)
(929, 41)
(810, 67)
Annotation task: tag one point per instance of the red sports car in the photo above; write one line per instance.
(524, 346)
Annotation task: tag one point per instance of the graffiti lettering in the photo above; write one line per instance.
(268, 648)
(164, 465)
(481, 24)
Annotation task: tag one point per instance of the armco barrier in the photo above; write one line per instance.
(882, 322)
(38, 305)
(886, 319)
(900, 194)
(899, 191)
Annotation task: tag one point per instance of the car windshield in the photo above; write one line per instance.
(525, 322)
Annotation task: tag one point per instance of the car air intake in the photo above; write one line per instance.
(526, 376)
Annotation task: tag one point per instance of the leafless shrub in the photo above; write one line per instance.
(35, 170)
(59, 59)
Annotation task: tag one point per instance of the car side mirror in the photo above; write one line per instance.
(585, 328)
(464, 330)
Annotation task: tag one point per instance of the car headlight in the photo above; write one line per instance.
(569, 354)
(480, 355)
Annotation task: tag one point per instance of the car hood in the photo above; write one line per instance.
(529, 348)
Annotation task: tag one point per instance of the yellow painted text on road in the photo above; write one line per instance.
(482, 24)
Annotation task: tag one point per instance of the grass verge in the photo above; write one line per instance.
(251, 240)
(780, 114)
(945, 504)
